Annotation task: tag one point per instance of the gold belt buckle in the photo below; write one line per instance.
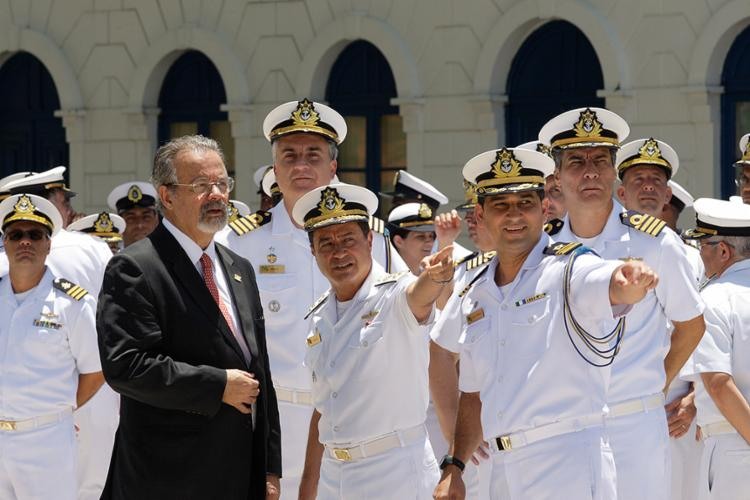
(505, 440)
(7, 425)
(342, 454)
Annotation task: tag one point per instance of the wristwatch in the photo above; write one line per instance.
(451, 460)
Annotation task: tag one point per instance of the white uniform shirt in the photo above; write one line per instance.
(46, 341)
(447, 328)
(725, 347)
(75, 256)
(639, 368)
(369, 367)
(518, 355)
(289, 282)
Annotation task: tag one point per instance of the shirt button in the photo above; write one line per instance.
(531, 319)
(499, 414)
(336, 428)
(502, 342)
(333, 363)
(335, 395)
(500, 379)
(364, 343)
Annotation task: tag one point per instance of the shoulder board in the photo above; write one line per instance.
(321, 300)
(480, 260)
(250, 222)
(642, 222)
(553, 226)
(561, 248)
(471, 283)
(464, 259)
(69, 288)
(390, 278)
(377, 225)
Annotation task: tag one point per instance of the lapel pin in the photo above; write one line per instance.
(237, 277)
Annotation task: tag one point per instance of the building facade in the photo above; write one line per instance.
(425, 84)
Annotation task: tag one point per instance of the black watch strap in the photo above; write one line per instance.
(451, 460)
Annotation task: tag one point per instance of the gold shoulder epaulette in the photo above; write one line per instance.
(561, 248)
(643, 222)
(471, 283)
(480, 260)
(250, 222)
(321, 300)
(391, 278)
(377, 225)
(553, 226)
(464, 259)
(69, 288)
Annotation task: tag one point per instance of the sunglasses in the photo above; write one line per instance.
(32, 234)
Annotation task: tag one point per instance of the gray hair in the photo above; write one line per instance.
(164, 172)
(741, 245)
(333, 150)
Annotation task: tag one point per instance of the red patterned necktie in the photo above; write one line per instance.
(208, 277)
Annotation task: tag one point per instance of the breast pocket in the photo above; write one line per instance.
(529, 332)
(479, 346)
(277, 296)
(368, 352)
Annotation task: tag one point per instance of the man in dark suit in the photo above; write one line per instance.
(182, 340)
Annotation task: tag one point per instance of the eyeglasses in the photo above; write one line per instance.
(712, 243)
(204, 186)
(32, 234)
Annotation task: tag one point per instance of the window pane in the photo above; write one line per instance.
(392, 142)
(178, 129)
(354, 149)
(221, 132)
(356, 177)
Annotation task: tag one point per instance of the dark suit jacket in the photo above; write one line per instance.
(165, 346)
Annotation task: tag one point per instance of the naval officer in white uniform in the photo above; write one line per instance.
(50, 361)
(367, 353)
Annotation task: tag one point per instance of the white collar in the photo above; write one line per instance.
(191, 248)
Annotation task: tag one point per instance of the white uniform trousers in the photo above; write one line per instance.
(640, 443)
(407, 473)
(576, 465)
(477, 479)
(686, 458)
(725, 468)
(97, 423)
(39, 464)
(295, 425)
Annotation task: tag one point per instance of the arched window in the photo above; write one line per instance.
(735, 107)
(556, 69)
(31, 138)
(361, 87)
(189, 100)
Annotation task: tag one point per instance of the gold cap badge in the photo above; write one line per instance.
(305, 114)
(506, 165)
(425, 211)
(135, 194)
(588, 125)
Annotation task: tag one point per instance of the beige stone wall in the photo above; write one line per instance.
(661, 62)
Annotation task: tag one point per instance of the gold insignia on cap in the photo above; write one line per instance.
(24, 206)
(305, 114)
(103, 223)
(135, 194)
(543, 148)
(425, 211)
(746, 154)
(506, 165)
(650, 150)
(330, 202)
(588, 125)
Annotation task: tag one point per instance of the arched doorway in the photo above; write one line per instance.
(735, 107)
(190, 101)
(361, 87)
(556, 69)
(31, 137)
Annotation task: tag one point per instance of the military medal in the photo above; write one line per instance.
(274, 306)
